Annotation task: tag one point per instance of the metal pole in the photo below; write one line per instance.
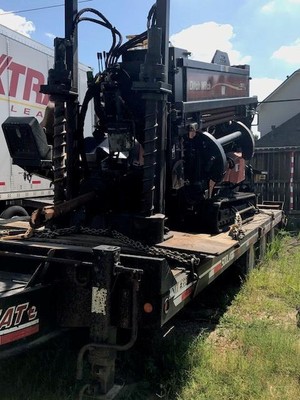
(71, 9)
(163, 17)
(71, 34)
(163, 22)
(292, 163)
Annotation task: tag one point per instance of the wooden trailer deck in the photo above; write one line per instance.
(200, 243)
(218, 243)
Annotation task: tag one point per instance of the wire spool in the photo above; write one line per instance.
(214, 150)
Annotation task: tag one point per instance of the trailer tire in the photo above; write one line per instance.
(14, 211)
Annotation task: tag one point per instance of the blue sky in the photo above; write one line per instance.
(262, 33)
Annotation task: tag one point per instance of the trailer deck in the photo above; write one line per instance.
(179, 268)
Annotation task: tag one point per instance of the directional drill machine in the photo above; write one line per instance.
(169, 153)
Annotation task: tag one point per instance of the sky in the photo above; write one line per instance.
(262, 33)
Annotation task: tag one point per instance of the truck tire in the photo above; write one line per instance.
(14, 211)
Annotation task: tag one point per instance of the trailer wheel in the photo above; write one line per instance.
(14, 211)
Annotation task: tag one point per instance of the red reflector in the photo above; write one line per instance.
(36, 182)
(186, 293)
(2, 183)
(217, 268)
(148, 308)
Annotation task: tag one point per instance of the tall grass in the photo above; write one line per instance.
(255, 352)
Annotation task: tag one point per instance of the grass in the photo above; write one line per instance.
(258, 362)
(47, 373)
(253, 354)
(255, 351)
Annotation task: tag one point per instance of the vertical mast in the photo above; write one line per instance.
(71, 36)
(162, 22)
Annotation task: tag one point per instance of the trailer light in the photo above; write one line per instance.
(148, 308)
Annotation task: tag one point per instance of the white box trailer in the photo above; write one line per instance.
(24, 65)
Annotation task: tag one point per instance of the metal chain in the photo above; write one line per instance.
(155, 251)
(183, 258)
(51, 234)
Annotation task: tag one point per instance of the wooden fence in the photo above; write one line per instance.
(280, 180)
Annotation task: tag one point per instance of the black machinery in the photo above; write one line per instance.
(168, 132)
(169, 153)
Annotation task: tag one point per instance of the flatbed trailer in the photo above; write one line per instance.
(147, 211)
(59, 280)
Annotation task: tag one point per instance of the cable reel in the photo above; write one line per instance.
(213, 150)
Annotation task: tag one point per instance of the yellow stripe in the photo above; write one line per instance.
(22, 103)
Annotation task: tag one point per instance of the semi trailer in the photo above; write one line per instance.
(24, 65)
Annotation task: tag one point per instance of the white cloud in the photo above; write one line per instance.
(268, 7)
(194, 40)
(275, 6)
(50, 35)
(263, 87)
(16, 22)
(290, 54)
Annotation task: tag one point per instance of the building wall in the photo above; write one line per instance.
(275, 114)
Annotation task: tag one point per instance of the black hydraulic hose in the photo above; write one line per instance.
(98, 108)
(117, 49)
(96, 21)
(90, 94)
(94, 11)
(113, 31)
(129, 45)
(106, 24)
(151, 16)
(114, 48)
